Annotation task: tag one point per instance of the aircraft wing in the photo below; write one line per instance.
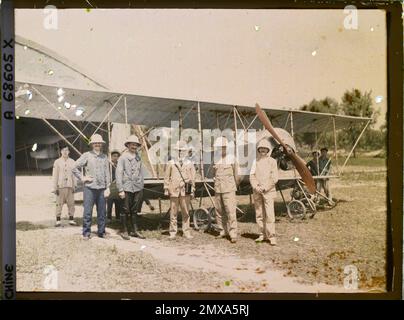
(44, 101)
(47, 140)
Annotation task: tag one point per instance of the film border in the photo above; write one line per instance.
(8, 226)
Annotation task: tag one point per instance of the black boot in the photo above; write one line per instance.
(135, 232)
(124, 234)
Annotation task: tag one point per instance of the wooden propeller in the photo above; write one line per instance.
(296, 160)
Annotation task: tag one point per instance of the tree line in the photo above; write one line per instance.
(353, 103)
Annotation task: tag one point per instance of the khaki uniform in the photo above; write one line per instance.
(64, 182)
(323, 184)
(225, 196)
(176, 190)
(264, 174)
(66, 195)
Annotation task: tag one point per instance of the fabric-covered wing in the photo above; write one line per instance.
(43, 101)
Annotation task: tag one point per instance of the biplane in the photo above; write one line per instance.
(71, 96)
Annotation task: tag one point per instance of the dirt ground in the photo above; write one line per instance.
(310, 257)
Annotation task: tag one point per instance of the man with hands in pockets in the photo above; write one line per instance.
(96, 184)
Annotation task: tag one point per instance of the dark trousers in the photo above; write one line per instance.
(130, 208)
(118, 208)
(91, 197)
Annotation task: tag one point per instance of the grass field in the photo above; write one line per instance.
(319, 249)
(367, 162)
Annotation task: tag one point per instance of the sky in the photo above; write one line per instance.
(278, 58)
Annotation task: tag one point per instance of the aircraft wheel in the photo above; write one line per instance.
(202, 219)
(296, 209)
(311, 208)
(212, 213)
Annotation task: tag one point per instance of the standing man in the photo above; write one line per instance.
(96, 183)
(313, 164)
(64, 184)
(130, 183)
(114, 197)
(179, 185)
(324, 164)
(226, 181)
(263, 178)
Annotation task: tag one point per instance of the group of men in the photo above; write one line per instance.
(179, 185)
(127, 181)
(125, 189)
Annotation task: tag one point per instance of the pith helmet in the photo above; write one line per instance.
(132, 139)
(264, 143)
(115, 151)
(220, 142)
(96, 138)
(181, 146)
